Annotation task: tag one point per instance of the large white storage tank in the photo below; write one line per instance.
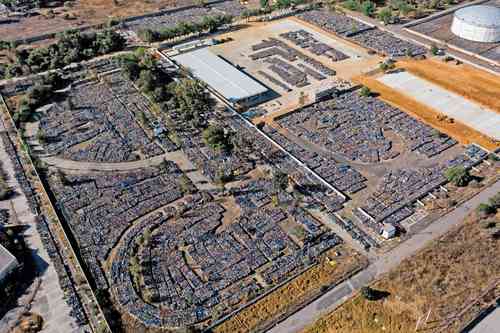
(477, 23)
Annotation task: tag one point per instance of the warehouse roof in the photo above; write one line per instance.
(481, 16)
(7, 261)
(231, 83)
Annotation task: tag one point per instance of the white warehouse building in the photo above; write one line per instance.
(477, 23)
(8, 263)
(230, 82)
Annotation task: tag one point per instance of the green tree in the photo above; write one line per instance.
(365, 92)
(279, 181)
(215, 137)
(485, 210)
(192, 98)
(434, 49)
(130, 70)
(352, 5)
(458, 175)
(282, 4)
(385, 15)
(495, 201)
(369, 293)
(368, 8)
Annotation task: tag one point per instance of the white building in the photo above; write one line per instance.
(477, 23)
(228, 81)
(8, 263)
(388, 231)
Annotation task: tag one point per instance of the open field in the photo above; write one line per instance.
(443, 277)
(459, 131)
(83, 12)
(474, 84)
(294, 293)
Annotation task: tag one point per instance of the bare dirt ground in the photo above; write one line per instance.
(444, 277)
(83, 12)
(459, 131)
(467, 81)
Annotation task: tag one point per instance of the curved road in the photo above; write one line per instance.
(66, 164)
(334, 298)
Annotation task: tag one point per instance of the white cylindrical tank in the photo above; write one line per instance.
(477, 23)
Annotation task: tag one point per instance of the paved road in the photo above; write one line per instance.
(332, 299)
(489, 324)
(49, 299)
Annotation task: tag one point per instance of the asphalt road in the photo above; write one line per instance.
(332, 299)
(489, 324)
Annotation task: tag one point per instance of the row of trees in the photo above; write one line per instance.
(72, 46)
(366, 7)
(208, 23)
(187, 96)
(394, 8)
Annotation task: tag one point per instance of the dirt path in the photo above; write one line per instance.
(48, 300)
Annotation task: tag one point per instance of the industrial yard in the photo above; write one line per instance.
(220, 168)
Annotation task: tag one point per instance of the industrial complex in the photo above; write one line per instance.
(236, 167)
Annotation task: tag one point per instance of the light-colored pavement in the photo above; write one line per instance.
(446, 102)
(490, 324)
(332, 299)
(66, 164)
(49, 299)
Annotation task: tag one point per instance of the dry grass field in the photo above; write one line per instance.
(102, 9)
(445, 276)
(428, 115)
(474, 84)
(83, 12)
(295, 293)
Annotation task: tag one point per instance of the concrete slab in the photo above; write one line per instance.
(455, 106)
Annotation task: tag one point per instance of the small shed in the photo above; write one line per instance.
(388, 231)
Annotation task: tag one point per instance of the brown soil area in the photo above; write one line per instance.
(445, 277)
(467, 81)
(93, 10)
(295, 293)
(83, 12)
(457, 130)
